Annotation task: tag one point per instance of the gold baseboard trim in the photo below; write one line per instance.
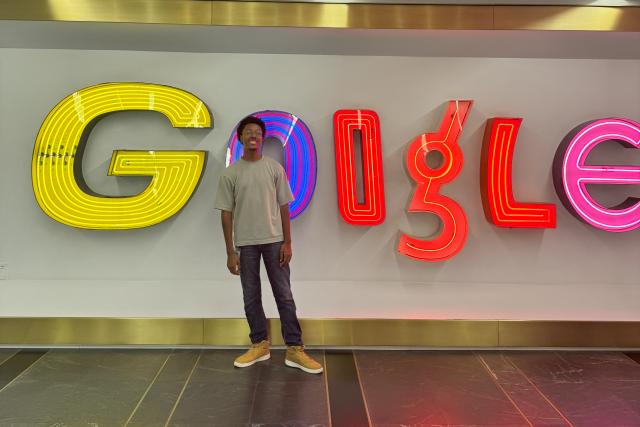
(363, 16)
(401, 333)
(327, 15)
(225, 332)
(567, 18)
(100, 331)
(365, 332)
(51, 331)
(131, 11)
(569, 334)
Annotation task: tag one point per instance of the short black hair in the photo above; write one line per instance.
(249, 120)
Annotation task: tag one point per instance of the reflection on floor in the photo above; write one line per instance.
(183, 387)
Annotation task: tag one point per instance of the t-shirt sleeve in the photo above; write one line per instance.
(224, 197)
(282, 188)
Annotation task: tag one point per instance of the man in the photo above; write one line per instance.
(254, 195)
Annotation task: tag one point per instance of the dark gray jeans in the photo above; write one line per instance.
(280, 285)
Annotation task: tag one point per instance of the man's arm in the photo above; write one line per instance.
(233, 262)
(285, 249)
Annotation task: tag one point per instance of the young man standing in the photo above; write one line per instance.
(254, 196)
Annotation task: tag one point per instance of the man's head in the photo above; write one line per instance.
(251, 131)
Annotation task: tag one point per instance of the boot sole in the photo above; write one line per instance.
(259, 359)
(307, 370)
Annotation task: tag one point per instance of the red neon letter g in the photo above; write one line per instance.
(427, 198)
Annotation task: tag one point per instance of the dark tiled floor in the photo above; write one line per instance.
(378, 388)
(435, 388)
(590, 389)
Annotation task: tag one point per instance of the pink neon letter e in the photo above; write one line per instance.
(571, 174)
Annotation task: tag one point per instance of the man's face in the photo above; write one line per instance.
(251, 137)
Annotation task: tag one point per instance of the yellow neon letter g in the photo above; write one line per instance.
(175, 174)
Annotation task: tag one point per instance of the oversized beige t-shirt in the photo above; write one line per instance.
(254, 192)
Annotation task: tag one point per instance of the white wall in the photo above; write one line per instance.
(178, 268)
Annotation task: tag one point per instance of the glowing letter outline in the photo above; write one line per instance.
(372, 211)
(426, 198)
(60, 190)
(499, 204)
(571, 174)
(300, 160)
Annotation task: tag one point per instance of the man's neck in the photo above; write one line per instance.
(251, 156)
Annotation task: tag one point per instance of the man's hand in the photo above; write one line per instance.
(233, 263)
(285, 254)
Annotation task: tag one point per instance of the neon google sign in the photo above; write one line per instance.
(62, 194)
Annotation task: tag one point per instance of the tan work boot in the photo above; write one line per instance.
(297, 358)
(256, 353)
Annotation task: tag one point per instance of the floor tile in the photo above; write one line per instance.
(346, 400)
(17, 364)
(218, 394)
(590, 388)
(80, 387)
(634, 355)
(534, 406)
(432, 388)
(288, 396)
(6, 354)
(156, 405)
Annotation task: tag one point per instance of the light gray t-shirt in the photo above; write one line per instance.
(254, 192)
